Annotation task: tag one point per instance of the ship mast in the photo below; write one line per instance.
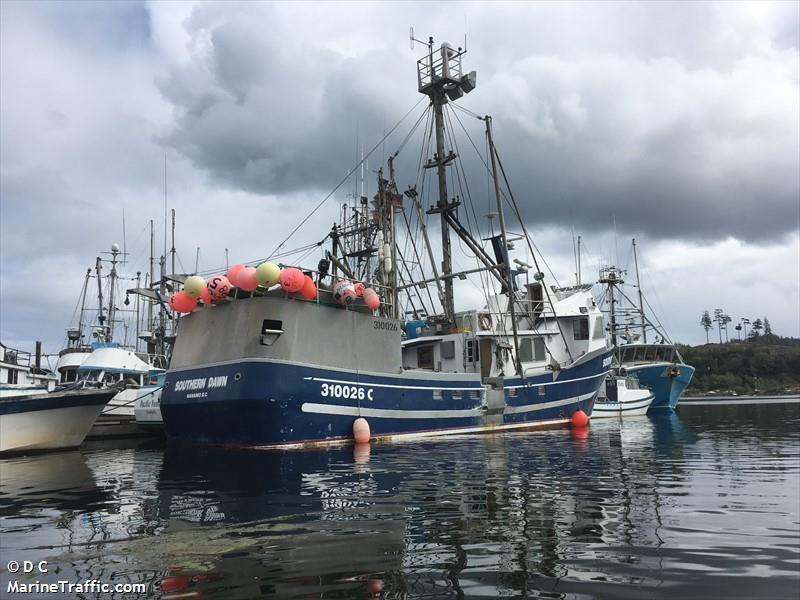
(439, 77)
(639, 287)
(610, 276)
(112, 286)
(509, 277)
(100, 316)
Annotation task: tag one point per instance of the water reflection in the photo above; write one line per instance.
(644, 502)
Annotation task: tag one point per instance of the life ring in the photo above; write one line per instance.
(485, 322)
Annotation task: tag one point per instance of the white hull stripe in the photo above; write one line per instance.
(380, 413)
(556, 382)
(545, 405)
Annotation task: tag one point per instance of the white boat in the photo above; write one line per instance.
(49, 421)
(622, 397)
(147, 407)
(19, 375)
(115, 366)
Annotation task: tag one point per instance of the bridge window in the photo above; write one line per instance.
(599, 330)
(425, 357)
(580, 328)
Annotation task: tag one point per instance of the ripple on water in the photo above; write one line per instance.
(704, 503)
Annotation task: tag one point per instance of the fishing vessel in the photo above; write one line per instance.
(368, 335)
(105, 361)
(622, 397)
(49, 421)
(23, 374)
(656, 364)
(147, 405)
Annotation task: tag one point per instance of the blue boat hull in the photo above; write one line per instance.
(259, 402)
(667, 381)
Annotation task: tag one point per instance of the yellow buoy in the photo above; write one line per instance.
(267, 274)
(194, 286)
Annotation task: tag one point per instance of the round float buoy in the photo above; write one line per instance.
(233, 274)
(361, 430)
(292, 280)
(246, 279)
(579, 419)
(194, 286)
(268, 274)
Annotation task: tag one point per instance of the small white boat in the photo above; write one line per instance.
(20, 375)
(147, 407)
(52, 421)
(112, 365)
(622, 397)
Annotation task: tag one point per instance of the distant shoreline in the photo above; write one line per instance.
(765, 399)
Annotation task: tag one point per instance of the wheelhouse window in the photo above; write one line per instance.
(599, 329)
(472, 351)
(538, 349)
(580, 328)
(448, 349)
(526, 350)
(531, 349)
(425, 357)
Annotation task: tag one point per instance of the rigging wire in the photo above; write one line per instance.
(344, 180)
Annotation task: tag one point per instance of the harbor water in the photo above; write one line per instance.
(699, 504)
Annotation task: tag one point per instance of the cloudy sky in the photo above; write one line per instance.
(675, 123)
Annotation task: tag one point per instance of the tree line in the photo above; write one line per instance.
(757, 326)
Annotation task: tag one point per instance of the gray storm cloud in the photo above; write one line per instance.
(690, 132)
(677, 121)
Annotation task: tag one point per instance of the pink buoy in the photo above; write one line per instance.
(371, 299)
(205, 296)
(292, 279)
(309, 290)
(233, 274)
(218, 286)
(359, 288)
(579, 419)
(182, 302)
(344, 292)
(361, 430)
(246, 279)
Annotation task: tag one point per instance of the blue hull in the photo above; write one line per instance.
(279, 404)
(667, 381)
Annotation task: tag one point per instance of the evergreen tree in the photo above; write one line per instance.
(725, 320)
(767, 327)
(706, 323)
(718, 314)
(757, 327)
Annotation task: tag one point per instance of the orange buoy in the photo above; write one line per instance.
(579, 419)
(361, 430)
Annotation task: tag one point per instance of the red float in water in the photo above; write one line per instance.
(579, 419)
(361, 430)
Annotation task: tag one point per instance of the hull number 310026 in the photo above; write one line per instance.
(330, 390)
